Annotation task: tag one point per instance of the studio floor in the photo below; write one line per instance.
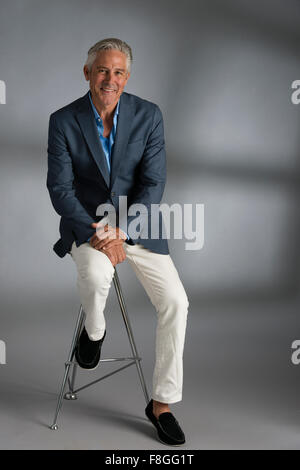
(241, 390)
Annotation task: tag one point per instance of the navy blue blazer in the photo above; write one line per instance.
(78, 178)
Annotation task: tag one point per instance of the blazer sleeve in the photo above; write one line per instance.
(152, 172)
(60, 179)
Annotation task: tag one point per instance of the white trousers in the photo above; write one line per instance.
(161, 282)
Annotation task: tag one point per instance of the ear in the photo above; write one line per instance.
(86, 72)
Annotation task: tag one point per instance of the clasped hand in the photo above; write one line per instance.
(110, 241)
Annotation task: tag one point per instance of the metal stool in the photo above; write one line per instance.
(71, 394)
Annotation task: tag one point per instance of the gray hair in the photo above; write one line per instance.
(106, 44)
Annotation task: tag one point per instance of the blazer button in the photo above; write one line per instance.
(112, 194)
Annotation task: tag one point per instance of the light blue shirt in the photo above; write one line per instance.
(106, 142)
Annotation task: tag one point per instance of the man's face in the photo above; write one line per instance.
(107, 77)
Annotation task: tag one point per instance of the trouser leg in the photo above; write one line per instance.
(160, 279)
(94, 276)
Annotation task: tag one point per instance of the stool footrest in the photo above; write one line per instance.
(113, 359)
(104, 377)
(121, 359)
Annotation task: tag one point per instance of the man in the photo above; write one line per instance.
(104, 145)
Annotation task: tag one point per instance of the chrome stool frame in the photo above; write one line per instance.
(72, 394)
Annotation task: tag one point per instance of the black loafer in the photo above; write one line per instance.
(87, 352)
(168, 429)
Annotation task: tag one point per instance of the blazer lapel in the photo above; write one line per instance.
(126, 113)
(86, 119)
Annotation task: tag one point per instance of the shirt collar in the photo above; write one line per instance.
(96, 114)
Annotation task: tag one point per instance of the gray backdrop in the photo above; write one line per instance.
(221, 73)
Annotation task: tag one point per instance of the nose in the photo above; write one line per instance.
(108, 76)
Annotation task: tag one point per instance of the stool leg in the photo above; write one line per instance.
(73, 380)
(130, 334)
(79, 323)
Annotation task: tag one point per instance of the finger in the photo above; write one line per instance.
(99, 245)
(93, 238)
(94, 241)
(120, 256)
(111, 243)
(114, 253)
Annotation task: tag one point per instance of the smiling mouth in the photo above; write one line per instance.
(107, 90)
